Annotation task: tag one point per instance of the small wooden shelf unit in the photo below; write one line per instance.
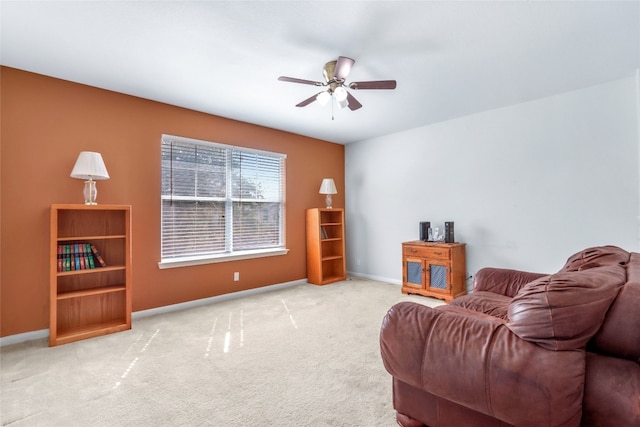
(433, 269)
(90, 302)
(325, 246)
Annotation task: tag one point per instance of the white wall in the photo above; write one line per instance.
(526, 185)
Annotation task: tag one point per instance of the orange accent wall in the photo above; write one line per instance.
(46, 122)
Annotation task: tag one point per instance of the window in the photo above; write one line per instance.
(220, 202)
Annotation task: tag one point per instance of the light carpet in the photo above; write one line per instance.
(298, 356)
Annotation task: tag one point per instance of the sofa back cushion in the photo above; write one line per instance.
(619, 335)
(596, 257)
(564, 311)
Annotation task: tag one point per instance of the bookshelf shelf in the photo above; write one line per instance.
(92, 270)
(91, 291)
(329, 258)
(89, 331)
(91, 300)
(73, 239)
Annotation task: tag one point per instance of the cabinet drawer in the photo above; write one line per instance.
(427, 252)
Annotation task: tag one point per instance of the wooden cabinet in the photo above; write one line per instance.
(325, 246)
(87, 302)
(434, 269)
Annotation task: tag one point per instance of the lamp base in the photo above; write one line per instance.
(90, 192)
(328, 201)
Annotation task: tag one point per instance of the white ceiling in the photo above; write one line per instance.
(450, 58)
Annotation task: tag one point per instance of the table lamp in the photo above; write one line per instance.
(328, 187)
(90, 167)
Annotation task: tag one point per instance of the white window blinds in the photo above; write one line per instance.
(219, 199)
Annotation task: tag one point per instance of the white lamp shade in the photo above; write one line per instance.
(323, 98)
(89, 166)
(341, 93)
(328, 187)
(341, 97)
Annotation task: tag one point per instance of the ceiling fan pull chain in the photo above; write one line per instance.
(332, 118)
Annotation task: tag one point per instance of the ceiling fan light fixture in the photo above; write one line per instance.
(341, 94)
(335, 74)
(323, 98)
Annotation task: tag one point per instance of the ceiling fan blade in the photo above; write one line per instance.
(374, 84)
(304, 82)
(343, 67)
(308, 100)
(353, 103)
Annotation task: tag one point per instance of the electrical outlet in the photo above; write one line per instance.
(236, 276)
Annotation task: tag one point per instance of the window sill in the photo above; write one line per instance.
(211, 259)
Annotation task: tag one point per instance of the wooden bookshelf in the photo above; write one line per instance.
(325, 246)
(96, 301)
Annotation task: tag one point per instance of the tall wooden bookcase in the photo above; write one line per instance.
(90, 302)
(325, 246)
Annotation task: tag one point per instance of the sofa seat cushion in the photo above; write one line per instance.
(563, 311)
(490, 303)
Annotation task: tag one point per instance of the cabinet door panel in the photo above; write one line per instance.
(414, 273)
(438, 277)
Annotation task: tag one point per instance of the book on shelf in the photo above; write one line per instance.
(78, 256)
(88, 253)
(60, 259)
(97, 256)
(67, 258)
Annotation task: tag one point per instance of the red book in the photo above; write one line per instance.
(60, 256)
(97, 256)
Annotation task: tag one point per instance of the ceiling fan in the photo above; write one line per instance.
(335, 73)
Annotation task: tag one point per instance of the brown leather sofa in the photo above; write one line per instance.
(523, 349)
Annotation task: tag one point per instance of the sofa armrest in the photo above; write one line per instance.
(503, 281)
(473, 359)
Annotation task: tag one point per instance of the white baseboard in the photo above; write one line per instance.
(27, 336)
(44, 333)
(378, 278)
(218, 298)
